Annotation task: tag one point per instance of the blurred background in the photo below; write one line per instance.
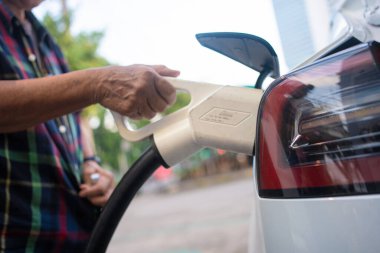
(203, 203)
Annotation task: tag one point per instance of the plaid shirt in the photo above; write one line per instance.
(40, 168)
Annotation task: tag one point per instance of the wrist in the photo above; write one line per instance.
(90, 81)
(96, 79)
(93, 158)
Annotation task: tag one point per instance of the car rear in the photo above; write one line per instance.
(318, 157)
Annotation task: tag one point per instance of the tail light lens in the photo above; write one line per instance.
(319, 131)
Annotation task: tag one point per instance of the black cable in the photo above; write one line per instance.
(261, 78)
(120, 199)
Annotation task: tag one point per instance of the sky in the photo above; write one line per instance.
(163, 32)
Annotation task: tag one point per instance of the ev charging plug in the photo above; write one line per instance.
(217, 116)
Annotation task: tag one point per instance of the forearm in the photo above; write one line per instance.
(136, 91)
(25, 103)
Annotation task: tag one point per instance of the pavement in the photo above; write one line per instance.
(211, 217)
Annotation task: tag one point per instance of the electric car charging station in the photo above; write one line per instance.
(314, 133)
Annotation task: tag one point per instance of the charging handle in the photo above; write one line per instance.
(198, 92)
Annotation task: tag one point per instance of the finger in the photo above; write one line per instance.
(165, 71)
(158, 104)
(164, 95)
(103, 185)
(135, 115)
(154, 101)
(100, 200)
(89, 191)
(165, 90)
(147, 110)
(108, 174)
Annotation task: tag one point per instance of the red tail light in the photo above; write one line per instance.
(319, 131)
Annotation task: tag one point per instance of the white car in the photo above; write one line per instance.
(317, 157)
(317, 163)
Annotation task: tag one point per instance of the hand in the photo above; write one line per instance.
(136, 91)
(97, 192)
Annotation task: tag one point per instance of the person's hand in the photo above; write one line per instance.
(136, 91)
(96, 190)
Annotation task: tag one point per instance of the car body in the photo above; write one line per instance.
(316, 172)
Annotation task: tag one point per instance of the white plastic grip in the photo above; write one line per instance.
(198, 91)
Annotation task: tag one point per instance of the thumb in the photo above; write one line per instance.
(165, 71)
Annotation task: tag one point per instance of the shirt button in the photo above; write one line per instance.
(62, 129)
(32, 57)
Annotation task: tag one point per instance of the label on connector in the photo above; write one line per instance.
(225, 116)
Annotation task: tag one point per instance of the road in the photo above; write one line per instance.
(214, 219)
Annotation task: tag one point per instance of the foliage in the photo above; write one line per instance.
(80, 50)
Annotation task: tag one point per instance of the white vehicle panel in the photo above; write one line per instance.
(342, 224)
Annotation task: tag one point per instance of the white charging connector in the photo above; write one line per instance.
(217, 116)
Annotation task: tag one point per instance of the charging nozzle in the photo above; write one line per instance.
(217, 116)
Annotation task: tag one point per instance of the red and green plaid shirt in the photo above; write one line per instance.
(40, 168)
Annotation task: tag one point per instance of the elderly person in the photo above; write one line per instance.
(47, 201)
